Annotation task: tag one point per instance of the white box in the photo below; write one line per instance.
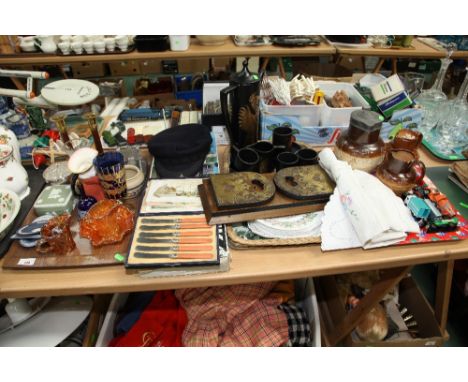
(391, 86)
(340, 117)
(308, 115)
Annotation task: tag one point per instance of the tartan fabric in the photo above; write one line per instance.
(236, 315)
(299, 327)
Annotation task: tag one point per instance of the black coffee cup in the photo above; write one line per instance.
(283, 136)
(286, 159)
(266, 152)
(246, 159)
(295, 147)
(307, 157)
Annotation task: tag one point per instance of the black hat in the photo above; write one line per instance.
(179, 152)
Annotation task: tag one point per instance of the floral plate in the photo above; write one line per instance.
(9, 208)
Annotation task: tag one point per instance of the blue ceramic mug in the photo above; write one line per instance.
(110, 168)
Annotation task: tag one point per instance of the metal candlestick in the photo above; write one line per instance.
(91, 117)
(59, 121)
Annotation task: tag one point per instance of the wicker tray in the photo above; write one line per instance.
(237, 242)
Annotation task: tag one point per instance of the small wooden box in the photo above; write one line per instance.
(124, 68)
(151, 66)
(88, 69)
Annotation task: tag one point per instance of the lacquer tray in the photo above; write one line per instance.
(84, 255)
(280, 205)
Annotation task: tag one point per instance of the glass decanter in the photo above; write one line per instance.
(453, 125)
(431, 100)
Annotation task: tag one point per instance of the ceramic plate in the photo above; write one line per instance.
(292, 223)
(70, 92)
(305, 225)
(9, 207)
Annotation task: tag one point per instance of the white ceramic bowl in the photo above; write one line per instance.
(9, 208)
(135, 180)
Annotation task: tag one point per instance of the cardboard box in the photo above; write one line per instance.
(124, 68)
(88, 69)
(193, 65)
(332, 312)
(388, 88)
(151, 66)
(397, 102)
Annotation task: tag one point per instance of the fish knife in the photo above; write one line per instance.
(175, 255)
(175, 248)
(177, 234)
(182, 240)
(200, 220)
(172, 226)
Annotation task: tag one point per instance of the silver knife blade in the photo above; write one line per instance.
(187, 256)
(176, 248)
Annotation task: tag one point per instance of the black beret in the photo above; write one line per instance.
(179, 152)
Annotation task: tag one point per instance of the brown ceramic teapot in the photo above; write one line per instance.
(401, 170)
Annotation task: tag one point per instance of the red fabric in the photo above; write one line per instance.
(161, 324)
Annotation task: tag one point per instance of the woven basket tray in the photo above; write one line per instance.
(237, 242)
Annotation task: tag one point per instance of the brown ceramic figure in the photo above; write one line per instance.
(401, 170)
(361, 145)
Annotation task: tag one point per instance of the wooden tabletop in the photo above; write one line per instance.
(229, 49)
(246, 266)
(420, 50)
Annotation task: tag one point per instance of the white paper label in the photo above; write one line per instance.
(221, 135)
(29, 261)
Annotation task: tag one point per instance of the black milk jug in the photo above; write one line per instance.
(239, 104)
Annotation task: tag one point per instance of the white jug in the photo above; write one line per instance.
(46, 43)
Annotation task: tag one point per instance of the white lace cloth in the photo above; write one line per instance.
(362, 211)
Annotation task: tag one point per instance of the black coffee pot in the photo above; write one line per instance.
(239, 104)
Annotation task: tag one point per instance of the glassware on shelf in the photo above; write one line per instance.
(432, 100)
(453, 124)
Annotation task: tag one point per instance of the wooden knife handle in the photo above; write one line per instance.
(195, 233)
(195, 240)
(183, 225)
(193, 247)
(194, 255)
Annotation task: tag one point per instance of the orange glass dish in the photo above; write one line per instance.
(107, 222)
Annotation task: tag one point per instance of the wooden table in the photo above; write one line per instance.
(253, 266)
(421, 50)
(229, 49)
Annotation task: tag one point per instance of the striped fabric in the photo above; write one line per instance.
(237, 315)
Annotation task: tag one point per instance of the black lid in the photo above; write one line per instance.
(366, 120)
(245, 76)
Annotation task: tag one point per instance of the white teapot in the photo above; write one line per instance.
(46, 43)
